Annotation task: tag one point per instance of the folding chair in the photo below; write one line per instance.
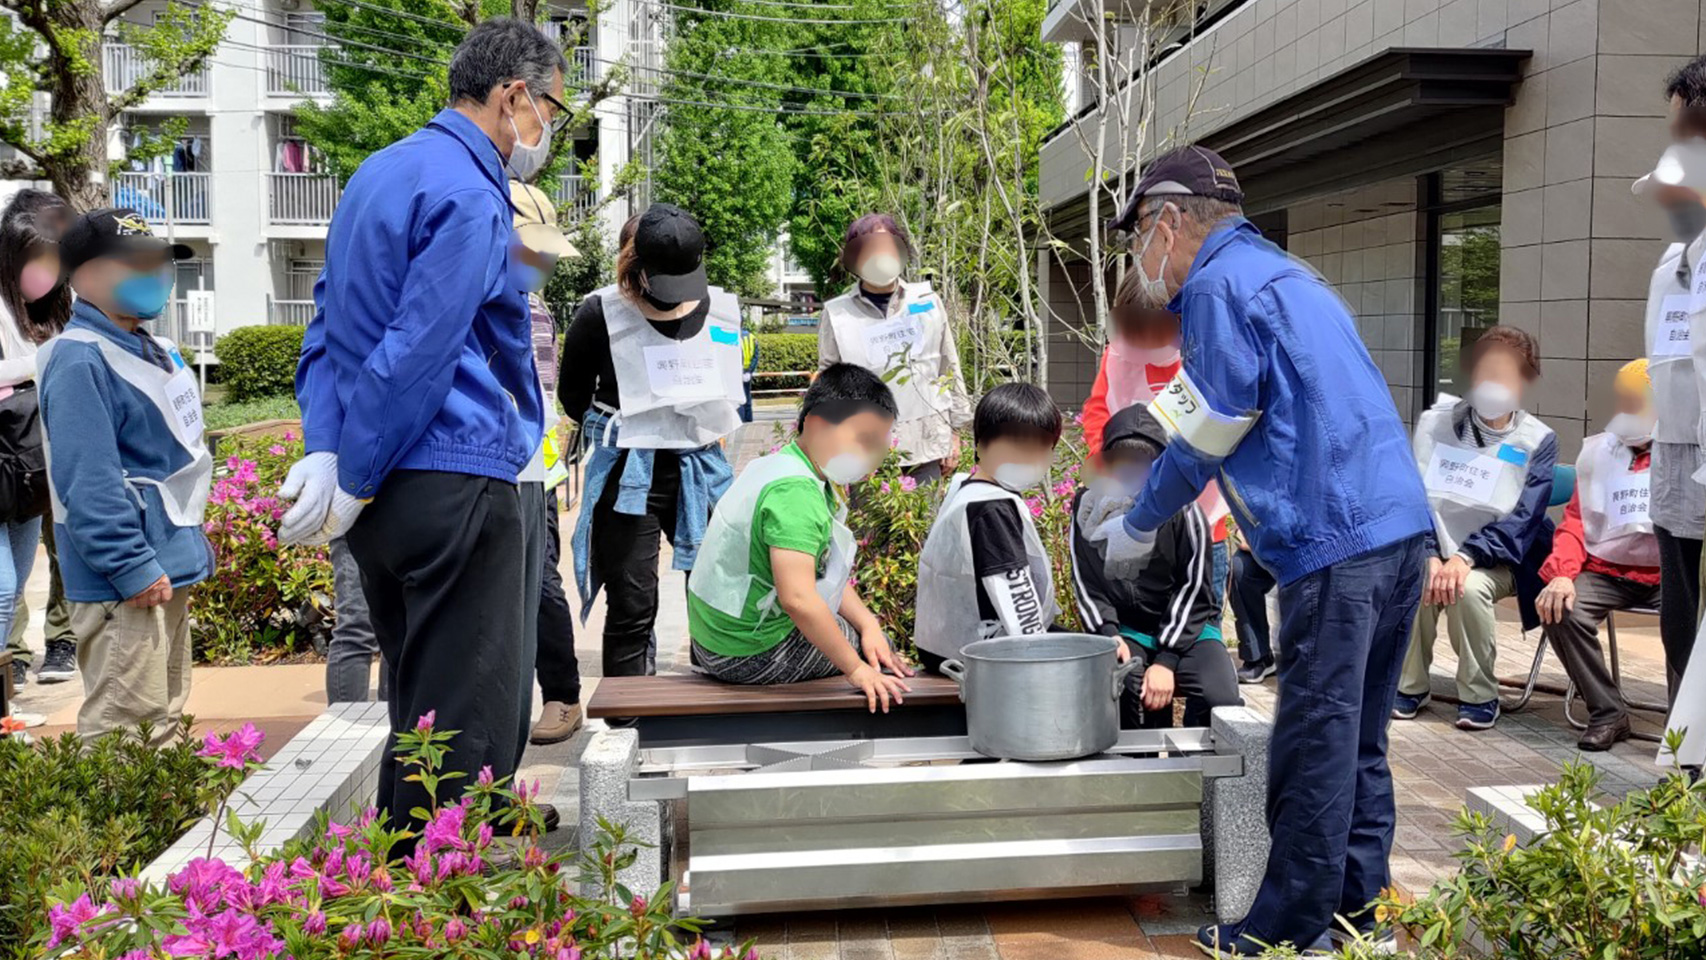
(1563, 488)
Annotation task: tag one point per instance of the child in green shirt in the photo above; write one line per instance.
(769, 598)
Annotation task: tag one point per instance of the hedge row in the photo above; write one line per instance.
(259, 362)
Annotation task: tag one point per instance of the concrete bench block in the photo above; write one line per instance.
(1507, 809)
(1235, 818)
(608, 763)
(331, 765)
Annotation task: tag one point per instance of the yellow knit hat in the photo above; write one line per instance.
(1633, 377)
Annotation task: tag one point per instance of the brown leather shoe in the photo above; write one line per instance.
(557, 723)
(1604, 735)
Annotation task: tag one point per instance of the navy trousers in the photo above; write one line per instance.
(1343, 632)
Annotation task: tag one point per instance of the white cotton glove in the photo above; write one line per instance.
(310, 483)
(1124, 549)
(341, 517)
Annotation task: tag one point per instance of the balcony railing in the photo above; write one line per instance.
(161, 198)
(575, 192)
(301, 199)
(124, 67)
(586, 63)
(295, 69)
(293, 313)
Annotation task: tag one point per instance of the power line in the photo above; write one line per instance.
(731, 15)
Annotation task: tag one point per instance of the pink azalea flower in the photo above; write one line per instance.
(235, 751)
(908, 484)
(351, 936)
(484, 778)
(426, 721)
(289, 436)
(455, 930)
(379, 932)
(314, 924)
(65, 920)
(276, 450)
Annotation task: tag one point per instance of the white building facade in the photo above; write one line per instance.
(245, 191)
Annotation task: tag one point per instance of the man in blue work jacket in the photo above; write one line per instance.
(1278, 399)
(420, 404)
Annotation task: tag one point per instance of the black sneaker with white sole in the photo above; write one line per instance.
(1256, 671)
(59, 663)
(20, 674)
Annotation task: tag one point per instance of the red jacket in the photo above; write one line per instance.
(1570, 549)
(1094, 418)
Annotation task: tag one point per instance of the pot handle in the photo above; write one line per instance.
(956, 671)
(1120, 672)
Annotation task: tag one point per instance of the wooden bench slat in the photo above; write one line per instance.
(688, 695)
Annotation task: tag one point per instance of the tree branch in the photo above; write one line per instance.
(111, 11)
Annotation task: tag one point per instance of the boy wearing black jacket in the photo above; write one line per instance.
(1162, 606)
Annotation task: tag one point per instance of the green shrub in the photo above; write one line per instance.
(785, 353)
(1604, 879)
(263, 600)
(74, 810)
(259, 361)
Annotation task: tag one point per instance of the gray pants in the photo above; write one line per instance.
(350, 655)
(794, 660)
(1577, 639)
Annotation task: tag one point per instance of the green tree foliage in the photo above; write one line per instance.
(54, 47)
(732, 168)
(386, 70)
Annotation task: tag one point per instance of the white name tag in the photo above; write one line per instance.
(1627, 499)
(185, 402)
(1672, 337)
(683, 371)
(889, 338)
(1466, 474)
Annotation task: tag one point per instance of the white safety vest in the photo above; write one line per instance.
(1615, 501)
(947, 579)
(1469, 486)
(674, 394)
(1676, 398)
(904, 347)
(175, 395)
(722, 575)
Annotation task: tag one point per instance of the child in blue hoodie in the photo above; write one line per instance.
(129, 475)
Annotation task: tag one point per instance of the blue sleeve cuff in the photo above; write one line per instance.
(138, 578)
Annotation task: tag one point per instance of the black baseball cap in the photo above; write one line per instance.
(1188, 171)
(1134, 423)
(671, 249)
(112, 232)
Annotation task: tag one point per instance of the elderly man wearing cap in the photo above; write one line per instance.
(1278, 398)
(129, 475)
(420, 404)
(537, 248)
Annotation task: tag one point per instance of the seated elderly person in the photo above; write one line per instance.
(1487, 465)
(1604, 556)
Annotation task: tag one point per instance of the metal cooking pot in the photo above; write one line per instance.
(1049, 697)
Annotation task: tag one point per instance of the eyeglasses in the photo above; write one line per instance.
(560, 122)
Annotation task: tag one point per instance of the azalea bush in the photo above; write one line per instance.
(263, 600)
(74, 810)
(1606, 879)
(369, 889)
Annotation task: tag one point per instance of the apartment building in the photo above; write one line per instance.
(246, 192)
(1448, 164)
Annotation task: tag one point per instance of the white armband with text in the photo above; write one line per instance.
(1184, 413)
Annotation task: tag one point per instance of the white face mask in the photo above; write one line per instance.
(1155, 295)
(1105, 486)
(1633, 429)
(1492, 400)
(1021, 476)
(524, 160)
(880, 269)
(845, 468)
